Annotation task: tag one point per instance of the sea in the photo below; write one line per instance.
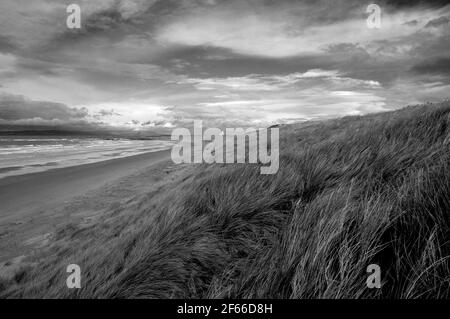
(31, 154)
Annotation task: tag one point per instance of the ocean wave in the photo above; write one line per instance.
(18, 160)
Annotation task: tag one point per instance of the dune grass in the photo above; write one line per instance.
(350, 192)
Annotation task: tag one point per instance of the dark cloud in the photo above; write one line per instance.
(411, 23)
(199, 61)
(435, 66)
(7, 44)
(101, 21)
(14, 108)
(437, 22)
(348, 51)
(415, 3)
(36, 66)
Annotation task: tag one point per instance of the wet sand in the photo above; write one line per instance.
(22, 194)
(34, 205)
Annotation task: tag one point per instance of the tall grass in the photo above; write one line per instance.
(350, 192)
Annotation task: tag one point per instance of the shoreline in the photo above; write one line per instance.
(36, 191)
(36, 204)
(17, 159)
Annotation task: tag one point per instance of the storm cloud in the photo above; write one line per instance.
(18, 107)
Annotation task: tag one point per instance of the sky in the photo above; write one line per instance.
(160, 64)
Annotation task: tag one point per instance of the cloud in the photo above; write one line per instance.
(108, 113)
(265, 112)
(411, 23)
(7, 64)
(18, 109)
(259, 82)
(130, 113)
(416, 3)
(437, 22)
(439, 65)
(105, 15)
(7, 44)
(284, 32)
(157, 63)
(263, 100)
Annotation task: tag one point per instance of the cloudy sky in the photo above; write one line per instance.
(162, 63)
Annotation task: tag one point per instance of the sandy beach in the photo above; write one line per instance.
(33, 205)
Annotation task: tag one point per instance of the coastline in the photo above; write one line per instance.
(34, 205)
(59, 184)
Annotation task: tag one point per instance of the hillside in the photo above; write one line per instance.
(350, 192)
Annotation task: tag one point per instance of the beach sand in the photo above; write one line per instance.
(34, 205)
